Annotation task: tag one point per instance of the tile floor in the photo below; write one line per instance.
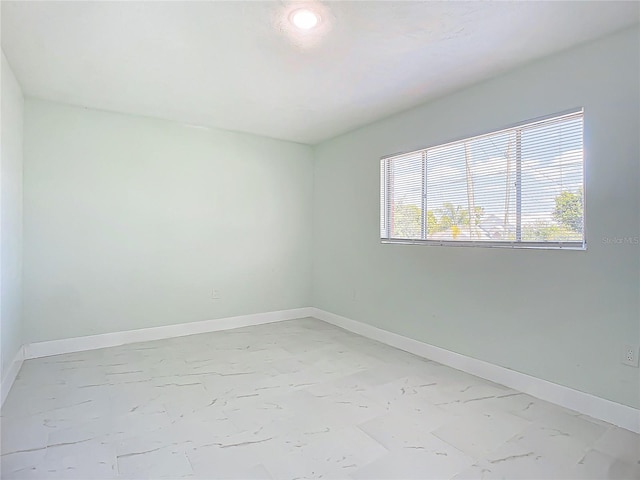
(289, 400)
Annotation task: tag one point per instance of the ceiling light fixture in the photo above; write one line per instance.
(304, 19)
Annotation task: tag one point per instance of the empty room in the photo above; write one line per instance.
(320, 240)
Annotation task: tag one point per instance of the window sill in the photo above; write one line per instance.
(490, 244)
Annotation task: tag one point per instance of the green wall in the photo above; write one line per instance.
(562, 316)
(131, 222)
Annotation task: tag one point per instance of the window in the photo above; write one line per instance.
(516, 187)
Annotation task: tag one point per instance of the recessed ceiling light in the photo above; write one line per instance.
(304, 19)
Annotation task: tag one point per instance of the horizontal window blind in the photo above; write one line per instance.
(521, 186)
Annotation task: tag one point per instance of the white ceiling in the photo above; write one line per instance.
(240, 66)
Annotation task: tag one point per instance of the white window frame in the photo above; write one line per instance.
(385, 187)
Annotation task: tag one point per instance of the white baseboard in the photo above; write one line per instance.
(10, 376)
(585, 403)
(91, 342)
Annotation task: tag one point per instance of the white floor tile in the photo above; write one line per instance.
(296, 399)
(478, 434)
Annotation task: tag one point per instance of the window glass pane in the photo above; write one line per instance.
(383, 200)
(471, 189)
(552, 173)
(446, 193)
(493, 165)
(406, 196)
